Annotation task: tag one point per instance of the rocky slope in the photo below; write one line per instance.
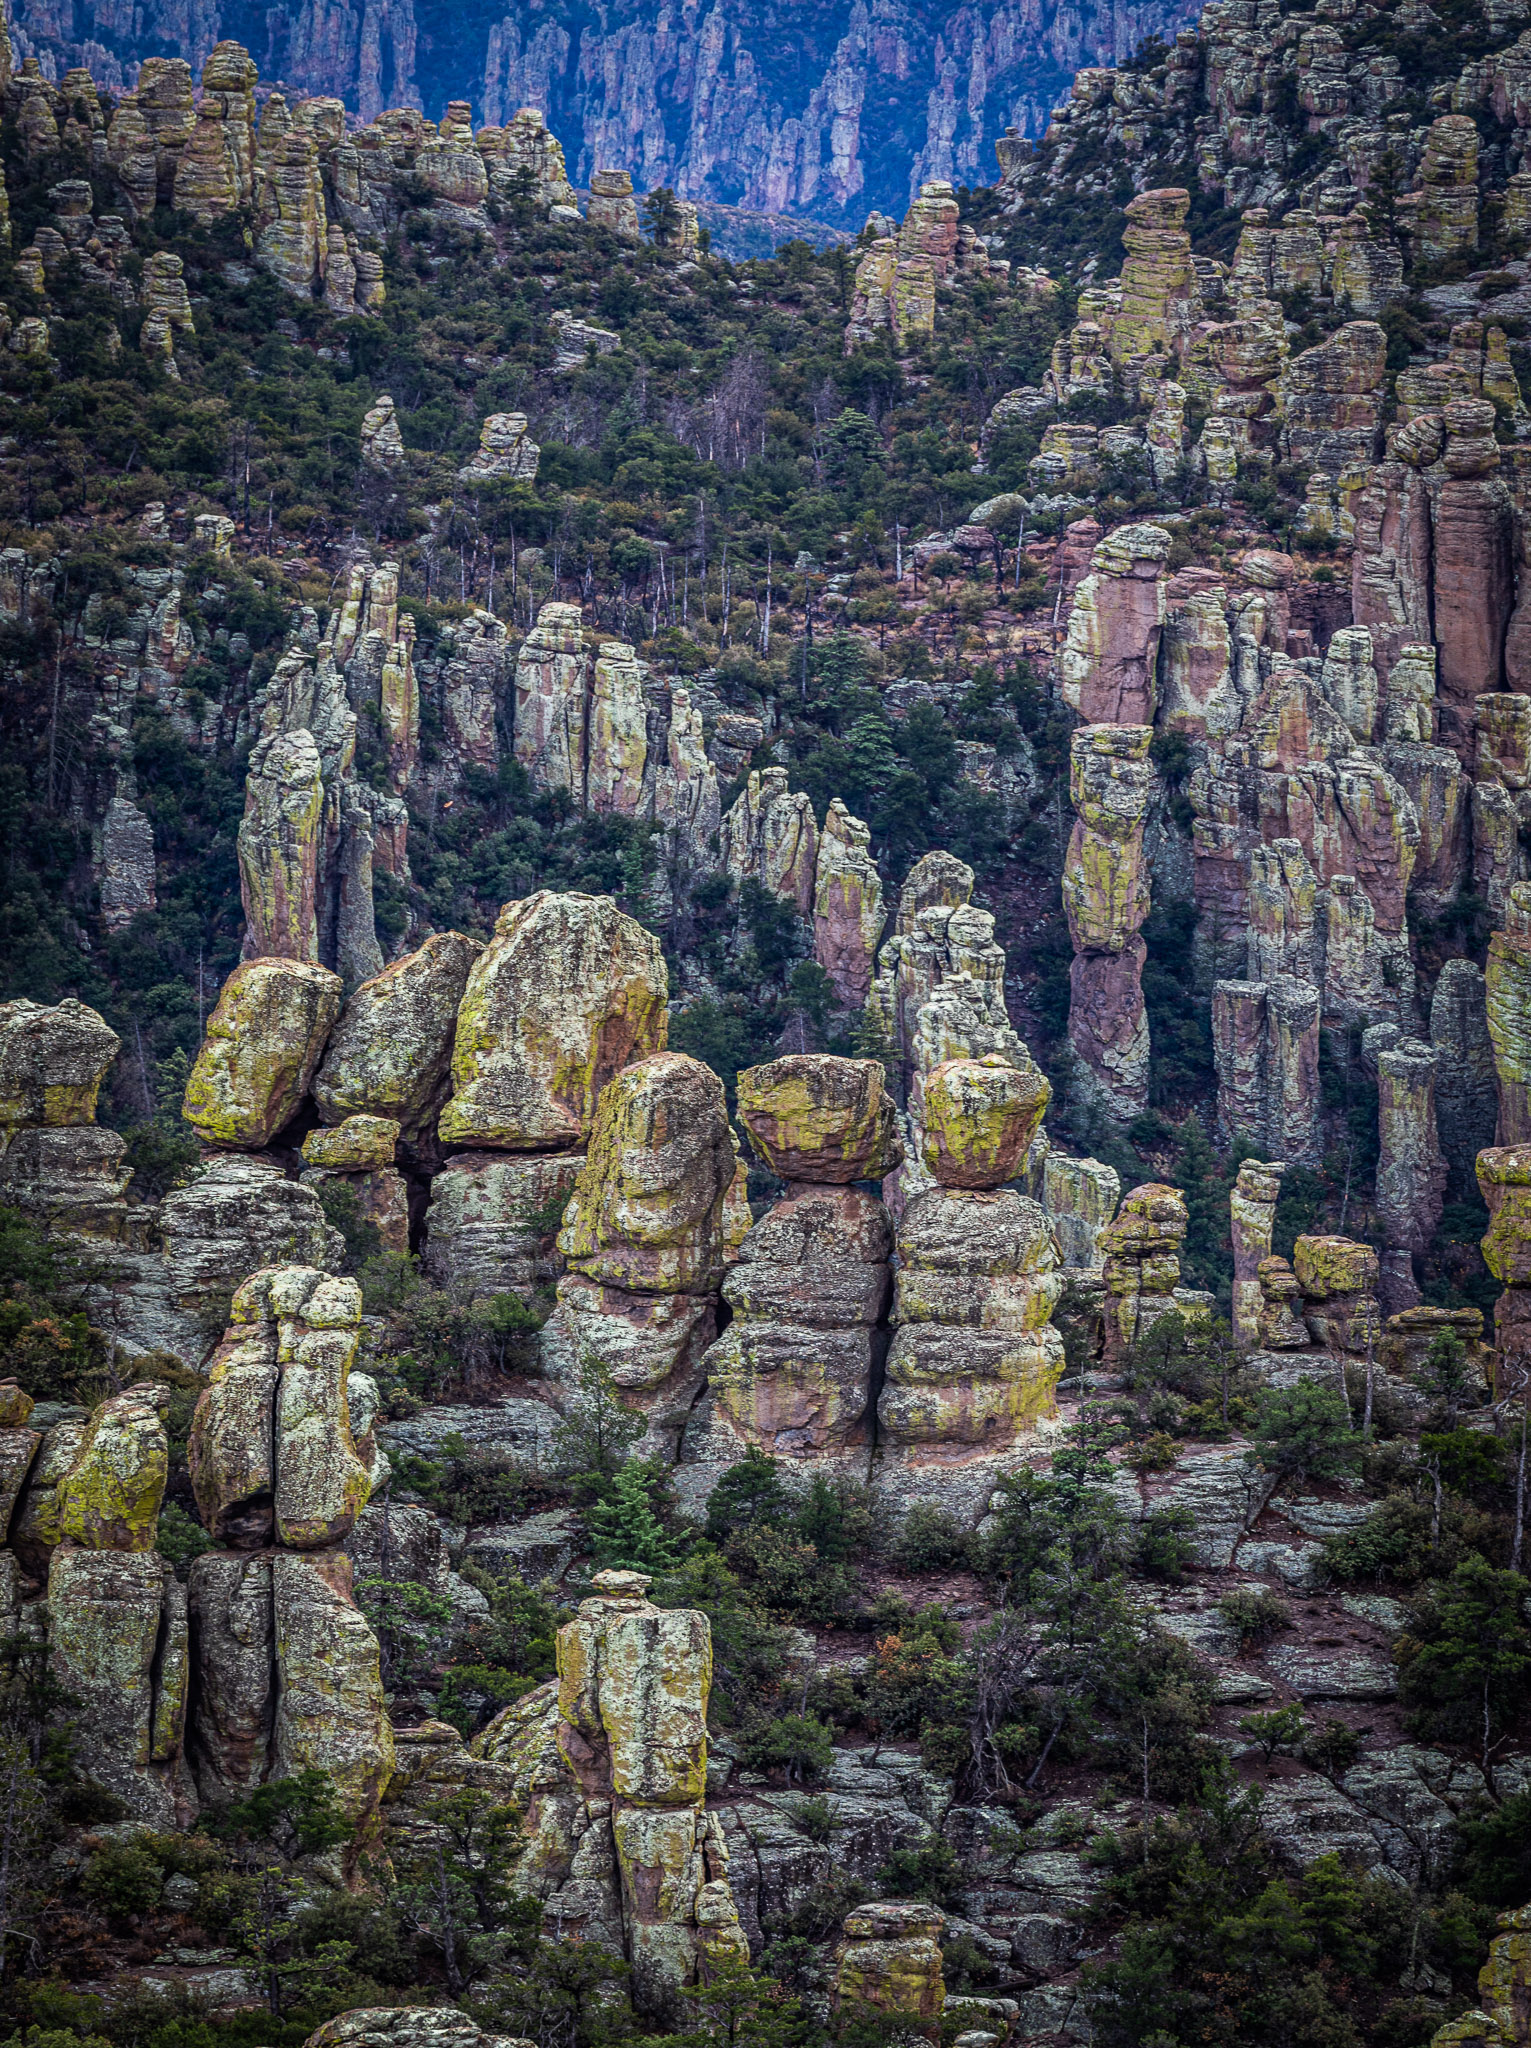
(765, 1086)
(829, 113)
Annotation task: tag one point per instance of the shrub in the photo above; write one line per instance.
(931, 1541)
(1255, 1615)
(798, 1744)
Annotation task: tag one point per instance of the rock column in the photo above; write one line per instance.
(1142, 1268)
(1504, 1175)
(1411, 1173)
(633, 1681)
(975, 1357)
(1106, 896)
(795, 1373)
(657, 1211)
(285, 1668)
(1252, 1210)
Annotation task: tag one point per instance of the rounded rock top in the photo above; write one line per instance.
(817, 1117)
(894, 1920)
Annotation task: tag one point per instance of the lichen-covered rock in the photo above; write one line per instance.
(848, 908)
(975, 1359)
(1446, 219)
(551, 692)
(770, 837)
(1411, 1172)
(289, 201)
(382, 444)
(505, 449)
(1265, 1041)
(167, 309)
(330, 1712)
(1252, 1212)
(107, 1617)
(566, 994)
(53, 1059)
(1107, 660)
(979, 1118)
(264, 1038)
(279, 846)
(1142, 1267)
(271, 1449)
(233, 1644)
(413, 2026)
(648, 1207)
(890, 1958)
(612, 205)
(492, 1220)
(793, 1373)
(633, 1682)
(1080, 1197)
(237, 1215)
(815, 1117)
(354, 1146)
(390, 1053)
(110, 1497)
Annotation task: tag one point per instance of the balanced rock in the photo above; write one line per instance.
(815, 1117)
(566, 993)
(264, 1039)
(356, 1145)
(505, 449)
(979, 1118)
(890, 1958)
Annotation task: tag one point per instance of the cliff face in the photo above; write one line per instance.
(832, 110)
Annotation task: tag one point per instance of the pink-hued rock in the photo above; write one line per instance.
(1108, 1026)
(1473, 581)
(1107, 662)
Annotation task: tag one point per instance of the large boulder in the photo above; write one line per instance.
(52, 1062)
(390, 1055)
(110, 1497)
(980, 1117)
(263, 1043)
(814, 1117)
(566, 993)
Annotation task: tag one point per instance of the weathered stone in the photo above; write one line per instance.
(770, 837)
(1411, 1173)
(417, 2026)
(271, 1449)
(1466, 1101)
(979, 1118)
(848, 909)
(974, 1359)
(53, 1059)
(125, 864)
(110, 1497)
(353, 1146)
(233, 1644)
(1142, 1266)
(106, 1619)
(1332, 398)
(382, 444)
(330, 1713)
(650, 1207)
(289, 201)
(279, 847)
(1080, 1197)
(1265, 1040)
(505, 449)
(551, 691)
(390, 1053)
(237, 1215)
(633, 1682)
(890, 1958)
(612, 205)
(566, 993)
(488, 1230)
(263, 1043)
(814, 1117)
(1108, 658)
(167, 309)
(1446, 219)
(1507, 984)
(1252, 1206)
(793, 1372)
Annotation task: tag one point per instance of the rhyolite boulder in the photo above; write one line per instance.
(390, 1053)
(263, 1042)
(816, 1117)
(567, 993)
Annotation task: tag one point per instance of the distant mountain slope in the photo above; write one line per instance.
(782, 106)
